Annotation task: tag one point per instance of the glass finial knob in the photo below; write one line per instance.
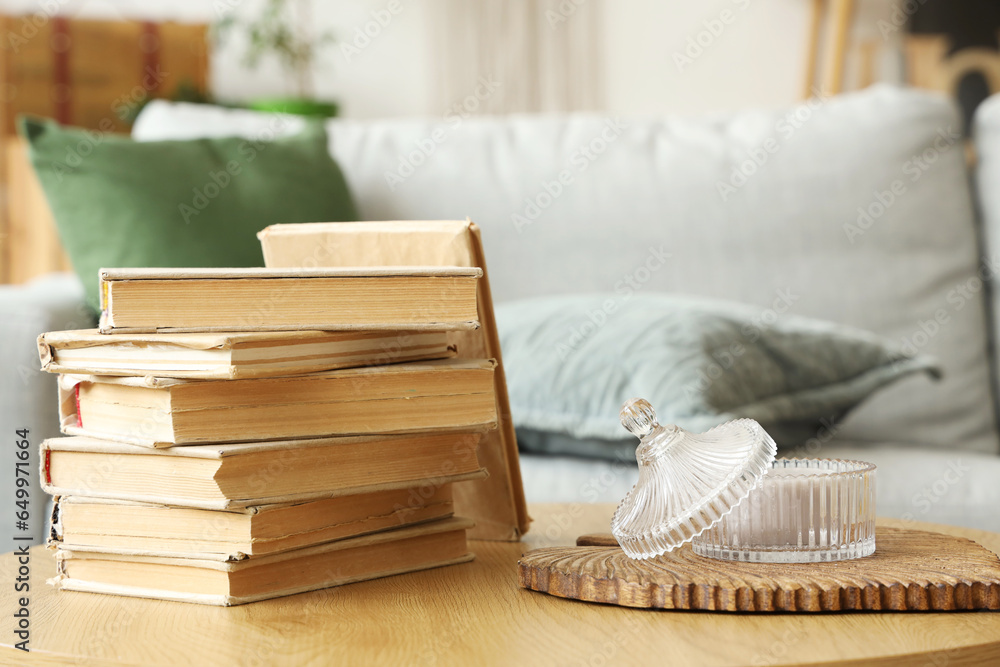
(638, 416)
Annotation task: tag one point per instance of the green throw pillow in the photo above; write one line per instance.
(572, 360)
(198, 203)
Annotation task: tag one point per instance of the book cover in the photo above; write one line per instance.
(226, 476)
(128, 528)
(233, 356)
(226, 583)
(143, 300)
(399, 398)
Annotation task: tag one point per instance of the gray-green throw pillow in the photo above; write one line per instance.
(571, 361)
(197, 203)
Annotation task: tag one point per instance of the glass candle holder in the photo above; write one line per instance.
(804, 511)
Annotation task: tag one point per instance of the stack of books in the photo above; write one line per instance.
(238, 435)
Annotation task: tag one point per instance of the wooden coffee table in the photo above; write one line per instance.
(476, 614)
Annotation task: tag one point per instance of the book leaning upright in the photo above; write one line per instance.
(497, 503)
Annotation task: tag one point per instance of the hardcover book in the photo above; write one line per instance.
(233, 356)
(497, 503)
(225, 476)
(226, 583)
(363, 298)
(146, 529)
(399, 398)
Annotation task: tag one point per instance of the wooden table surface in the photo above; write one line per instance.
(475, 614)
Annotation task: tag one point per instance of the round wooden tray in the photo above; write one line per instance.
(911, 570)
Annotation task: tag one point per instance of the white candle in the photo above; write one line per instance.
(805, 510)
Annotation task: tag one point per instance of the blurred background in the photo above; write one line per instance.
(790, 155)
(408, 58)
(87, 61)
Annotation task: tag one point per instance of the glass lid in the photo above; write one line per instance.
(687, 481)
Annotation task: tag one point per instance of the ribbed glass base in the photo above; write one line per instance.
(805, 511)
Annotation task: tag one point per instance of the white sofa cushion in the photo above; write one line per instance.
(955, 488)
(585, 203)
(986, 132)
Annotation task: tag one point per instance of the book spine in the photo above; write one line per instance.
(45, 353)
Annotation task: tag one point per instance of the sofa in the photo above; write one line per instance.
(860, 209)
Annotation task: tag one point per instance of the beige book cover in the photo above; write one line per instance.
(117, 460)
(497, 503)
(226, 583)
(422, 396)
(233, 355)
(79, 523)
(412, 298)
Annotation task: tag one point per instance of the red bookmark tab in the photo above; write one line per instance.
(76, 395)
